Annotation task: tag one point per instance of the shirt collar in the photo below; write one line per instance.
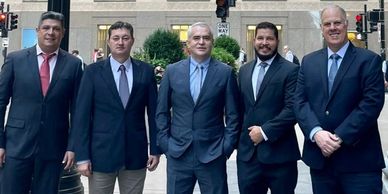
(116, 65)
(269, 61)
(340, 52)
(39, 51)
(194, 63)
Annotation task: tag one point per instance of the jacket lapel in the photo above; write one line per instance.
(322, 65)
(59, 66)
(248, 80)
(32, 57)
(107, 76)
(210, 75)
(137, 74)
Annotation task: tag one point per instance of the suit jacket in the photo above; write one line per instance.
(107, 134)
(210, 125)
(272, 110)
(351, 111)
(37, 124)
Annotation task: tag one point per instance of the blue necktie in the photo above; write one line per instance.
(333, 70)
(198, 75)
(260, 77)
(123, 86)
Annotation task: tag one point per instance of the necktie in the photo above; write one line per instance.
(44, 72)
(198, 73)
(123, 86)
(333, 70)
(260, 77)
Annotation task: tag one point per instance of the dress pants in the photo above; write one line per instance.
(33, 174)
(329, 180)
(183, 173)
(255, 177)
(130, 181)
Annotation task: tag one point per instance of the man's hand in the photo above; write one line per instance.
(152, 163)
(385, 84)
(2, 157)
(85, 169)
(255, 134)
(327, 142)
(68, 160)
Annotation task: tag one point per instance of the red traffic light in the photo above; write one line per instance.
(220, 2)
(3, 16)
(358, 18)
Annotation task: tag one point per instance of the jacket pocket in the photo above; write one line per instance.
(15, 123)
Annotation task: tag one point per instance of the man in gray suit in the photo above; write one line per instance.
(201, 132)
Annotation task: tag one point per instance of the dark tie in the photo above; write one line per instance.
(260, 77)
(123, 86)
(333, 70)
(44, 72)
(198, 73)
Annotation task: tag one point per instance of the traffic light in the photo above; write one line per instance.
(373, 26)
(13, 21)
(3, 24)
(359, 21)
(222, 8)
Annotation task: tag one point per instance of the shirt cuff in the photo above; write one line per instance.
(314, 131)
(264, 135)
(83, 162)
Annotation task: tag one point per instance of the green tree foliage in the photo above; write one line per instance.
(163, 45)
(225, 57)
(229, 44)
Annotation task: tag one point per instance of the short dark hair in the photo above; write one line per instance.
(52, 15)
(75, 52)
(120, 24)
(268, 25)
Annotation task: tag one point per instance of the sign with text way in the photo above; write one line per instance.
(223, 28)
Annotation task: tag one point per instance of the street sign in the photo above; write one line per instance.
(223, 28)
(5, 42)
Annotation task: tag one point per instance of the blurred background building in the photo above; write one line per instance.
(297, 20)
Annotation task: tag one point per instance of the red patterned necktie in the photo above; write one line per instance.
(45, 72)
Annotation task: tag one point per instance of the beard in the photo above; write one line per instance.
(266, 57)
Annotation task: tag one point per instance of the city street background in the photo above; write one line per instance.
(156, 181)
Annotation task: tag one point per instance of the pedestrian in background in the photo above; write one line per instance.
(76, 53)
(268, 150)
(111, 136)
(242, 57)
(201, 132)
(339, 96)
(289, 55)
(42, 82)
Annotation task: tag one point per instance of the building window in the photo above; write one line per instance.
(181, 30)
(35, 0)
(102, 35)
(251, 36)
(114, 0)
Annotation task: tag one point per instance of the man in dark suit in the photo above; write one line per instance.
(111, 135)
(201, 131)
(268, 150)
(42, 82)
(338, 98)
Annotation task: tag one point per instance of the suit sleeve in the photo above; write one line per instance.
(278, 126)
(305, 116)
(358, 122)
(163, 113)
(77, 79)
(6, 82)
(232, 115)
(151, 109)
(83, 116)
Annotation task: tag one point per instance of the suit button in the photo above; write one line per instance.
(327, 113)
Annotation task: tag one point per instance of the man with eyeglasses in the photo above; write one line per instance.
(197, 117)
(338, 98)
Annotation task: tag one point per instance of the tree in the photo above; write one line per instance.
(225, 57)
(164, 45)
(229, 44)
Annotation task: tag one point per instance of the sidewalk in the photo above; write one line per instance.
(156, 181)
